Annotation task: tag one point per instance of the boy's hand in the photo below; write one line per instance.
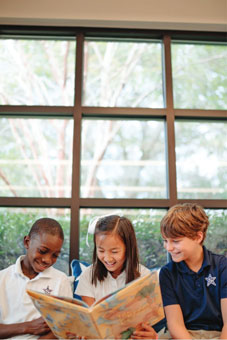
(70, 335)
(144, 331)
(48, 335)
(36, 327)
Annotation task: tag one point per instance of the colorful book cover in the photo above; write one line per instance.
(114, 317)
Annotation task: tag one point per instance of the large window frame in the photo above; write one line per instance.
(78, 112)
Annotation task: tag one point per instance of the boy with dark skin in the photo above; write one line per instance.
(18, 316)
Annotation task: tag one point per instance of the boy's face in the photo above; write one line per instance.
(42, 251)
(183, 248)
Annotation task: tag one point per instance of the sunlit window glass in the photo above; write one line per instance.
(123, 159)
(37, 72)
(123, 74)
(199, 76)
(217, 231)
(201, 154)
(35, 157)
(15, 223)
(146, 223)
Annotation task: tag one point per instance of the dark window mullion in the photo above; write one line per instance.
(207, 203)
(40, 202)
(75, 208)
(171, 157)
(89, 111)
(121, 203)
(198, 113)
(36, 110)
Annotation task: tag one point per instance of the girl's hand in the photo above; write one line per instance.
(144, 331)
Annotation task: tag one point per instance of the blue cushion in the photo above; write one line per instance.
(77, 267)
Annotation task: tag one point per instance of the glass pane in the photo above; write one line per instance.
(123, 74)
(199, 76)
(217, 232)
(37, 72)
(15, 223)
(147, 227)
(201, 153)
(35, 157)
(123, 159)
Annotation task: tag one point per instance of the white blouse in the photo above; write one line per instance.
(105, 287)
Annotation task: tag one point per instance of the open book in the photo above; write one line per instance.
(114, 317)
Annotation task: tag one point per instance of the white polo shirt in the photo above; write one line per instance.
(15, 304)
(105, 287)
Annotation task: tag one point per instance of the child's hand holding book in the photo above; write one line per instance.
(144, 331)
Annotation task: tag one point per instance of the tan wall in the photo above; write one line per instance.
(178, 14)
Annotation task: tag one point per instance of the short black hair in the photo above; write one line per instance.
(46, 225)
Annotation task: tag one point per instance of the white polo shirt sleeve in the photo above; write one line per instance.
(16, 305)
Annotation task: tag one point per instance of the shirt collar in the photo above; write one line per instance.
(206, 259)
(18, 270)
(119, 278)
(182, 266)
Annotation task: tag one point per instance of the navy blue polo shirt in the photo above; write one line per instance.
(198, 294)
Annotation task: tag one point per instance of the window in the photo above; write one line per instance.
(123, 158)
(96, 121)
(201, 156)
(199, 77)
(36, 157)
(37, 72)
(123, 74)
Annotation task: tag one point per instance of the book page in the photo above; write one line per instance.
(65, 318)
(139, 301)
(71, 300)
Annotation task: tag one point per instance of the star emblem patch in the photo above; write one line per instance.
(47, 290)
(210, 280)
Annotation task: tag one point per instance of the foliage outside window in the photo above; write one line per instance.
(37, 72)
(201, 154)
(123, 159)
(123, 74)
(199, 76)
(35, 157)
(15, 223)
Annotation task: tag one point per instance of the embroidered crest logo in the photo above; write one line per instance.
(210, 280)
(47, 290)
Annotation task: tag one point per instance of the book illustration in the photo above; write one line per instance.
(114, 317)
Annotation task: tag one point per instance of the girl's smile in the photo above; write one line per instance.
(111, 252)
